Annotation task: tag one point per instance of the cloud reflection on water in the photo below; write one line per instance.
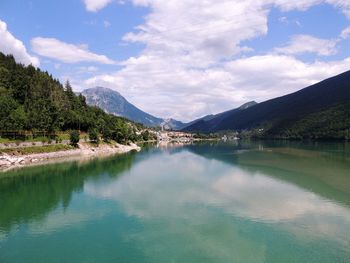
(186, 187)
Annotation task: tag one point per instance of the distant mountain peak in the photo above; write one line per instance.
(113, 102)
(100, 89)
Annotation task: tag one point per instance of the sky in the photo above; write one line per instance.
(181, 58)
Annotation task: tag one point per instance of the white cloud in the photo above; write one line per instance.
(301, 44)
(345, 34)
(344, 5)
(88, 69)
(204, 32)
(199, 64)
(10, 45)
(64, 52)
(287, 5)
(106, 23)
(96, 5)
(275, 75)
(285, 20)
(171, 90)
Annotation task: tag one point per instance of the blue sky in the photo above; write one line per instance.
(181, 59)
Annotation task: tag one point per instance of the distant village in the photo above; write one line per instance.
(167, 136)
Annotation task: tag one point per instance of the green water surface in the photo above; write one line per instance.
(210, 202)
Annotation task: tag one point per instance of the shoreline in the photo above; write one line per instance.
(84, 151)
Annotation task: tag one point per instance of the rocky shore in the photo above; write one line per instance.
(84, 150)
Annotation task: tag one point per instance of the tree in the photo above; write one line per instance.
(12, 116)
(106, 133)
(93, 136)
(5, 78)
(18, 119)
(74, 137)
(145, 135)
(68, 88)
(40, 115)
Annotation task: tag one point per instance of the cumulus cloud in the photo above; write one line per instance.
(285, 5)
(300, 44)
(204, 32)
(168, 90)
(96, 5)
(199, 64)
(64, 52)
(11, 45)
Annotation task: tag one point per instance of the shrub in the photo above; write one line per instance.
(145, 135)
(117, 136)
(74, 137)
(93, 136)
(106, 134)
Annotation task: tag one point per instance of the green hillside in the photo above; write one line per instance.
(321, 111)
(32, 100)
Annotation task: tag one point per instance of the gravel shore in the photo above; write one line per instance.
(84, 150)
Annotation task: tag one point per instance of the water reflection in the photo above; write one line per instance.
(28, 195)
(162, 192)
(322, 168)
(191, 198)
(244, 202)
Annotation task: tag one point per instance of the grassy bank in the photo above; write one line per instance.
(37, 149)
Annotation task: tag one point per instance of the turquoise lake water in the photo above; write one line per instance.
(210, 202)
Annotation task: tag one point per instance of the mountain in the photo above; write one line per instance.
(113, 102)
(318, 111)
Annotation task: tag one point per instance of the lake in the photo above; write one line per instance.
(210, 202)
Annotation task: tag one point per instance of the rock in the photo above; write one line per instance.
(4, 162)
(12, 160)
(19, 160)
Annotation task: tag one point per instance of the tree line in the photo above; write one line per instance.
(32, 100)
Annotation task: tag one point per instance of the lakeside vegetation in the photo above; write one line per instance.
(33, 102)
(37, 149)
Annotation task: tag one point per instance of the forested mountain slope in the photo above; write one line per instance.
(31, 99)
(319, 111)
(214, 119)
